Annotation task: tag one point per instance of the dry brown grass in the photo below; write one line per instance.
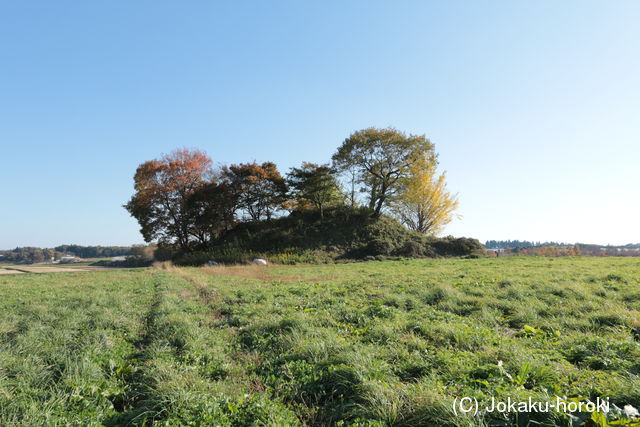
(164, 265)
(185, 293)
(245, 271)
(252, 271)
(47, 269)
(4, 271)
(259, 272)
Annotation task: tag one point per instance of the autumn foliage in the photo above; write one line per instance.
(425, 205)
(181, 200)
(163, 187)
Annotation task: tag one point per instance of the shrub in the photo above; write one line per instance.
(412, 249)
(164, 253)
(193, 259)
(343, 233)
(380, 246)
(451, 246)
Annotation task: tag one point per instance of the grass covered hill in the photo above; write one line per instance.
(341, 233)
(369, 344)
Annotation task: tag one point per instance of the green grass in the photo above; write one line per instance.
(376, 343)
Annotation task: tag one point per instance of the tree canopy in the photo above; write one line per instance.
(163, 187)
(314, 185)
(182, 201)
(260, 188)
(424, 204)
(381, 158)
(212, 209)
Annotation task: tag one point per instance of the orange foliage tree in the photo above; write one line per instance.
(162, 189)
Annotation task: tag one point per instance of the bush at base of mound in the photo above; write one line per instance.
(341, 234)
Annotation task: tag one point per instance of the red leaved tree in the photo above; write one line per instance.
(163, 187)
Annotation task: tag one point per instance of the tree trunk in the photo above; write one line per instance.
(373, 197)
(378, 208)
(381, 199)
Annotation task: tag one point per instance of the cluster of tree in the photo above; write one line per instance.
(93, 251)
(512, 244)
(519, 247)
(550, 250)
(398, 172)
(30, 255)
(599, 250)
(182, 200)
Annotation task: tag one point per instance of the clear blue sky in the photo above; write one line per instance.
(534, 106)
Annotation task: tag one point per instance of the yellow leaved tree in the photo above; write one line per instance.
(424, 204)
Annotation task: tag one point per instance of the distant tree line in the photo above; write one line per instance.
(553, 249)
(549, 250)
(182, 200)
(94, 251)
(512, 244)
(32, 255)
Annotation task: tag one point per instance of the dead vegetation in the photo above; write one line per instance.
(5, 271)
(164, 265)
(46, 269)
(244, 271)
(252, 271)
(258, 272)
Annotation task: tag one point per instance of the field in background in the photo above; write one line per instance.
(48, 268)
(9, 271)
(376, 343)
(85, 265)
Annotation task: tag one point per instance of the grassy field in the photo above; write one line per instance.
(376, 343)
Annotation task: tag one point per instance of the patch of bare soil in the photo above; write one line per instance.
(5, 271)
